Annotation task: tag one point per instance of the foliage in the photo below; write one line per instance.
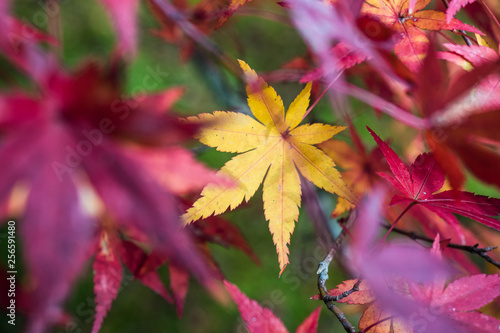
(100, 169)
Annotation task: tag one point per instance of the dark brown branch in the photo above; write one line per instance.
(323, 276)
(474, 249)
(190, 30)
(337, 298)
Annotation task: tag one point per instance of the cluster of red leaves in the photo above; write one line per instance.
(72, 150)
(97, 172)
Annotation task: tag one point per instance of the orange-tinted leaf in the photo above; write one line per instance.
(233, 6)
(362, 296)
(425, 178)
(412, 45)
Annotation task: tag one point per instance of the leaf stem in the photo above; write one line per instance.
(323, 93)
(394, 224)
(461, 32)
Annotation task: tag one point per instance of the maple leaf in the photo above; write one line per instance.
(458, 303)
(215, 230)
(461, 299)
(229, 11)
(20, 43)
(454, 6)
(373, 313)
(460, 113)
(108, 273)
(360, 168)
(425, 305)
(412, 45)
(425, 177)
(345, 57)
(68, 142)
(262, 320)
(112, 252)
(468, 56)
(107, 279)
(274, 144)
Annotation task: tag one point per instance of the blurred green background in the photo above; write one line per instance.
(265, 45)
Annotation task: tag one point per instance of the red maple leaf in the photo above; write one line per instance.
(215, 230)
(462, 113)
(74, 139)
(454, 307)
(262, 320)
(20, 44)
(425, 177)
(461, 300)
(454, 6)
(113, 251)
(108, 272)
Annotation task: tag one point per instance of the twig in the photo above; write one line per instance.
(474, 249)
(322, 94)
(190, 30)
(337, 298)
(464, 35)
(394, 224)
(376, 323)
(323, 276)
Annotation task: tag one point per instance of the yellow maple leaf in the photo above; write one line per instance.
(274, 144)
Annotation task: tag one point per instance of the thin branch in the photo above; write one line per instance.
(474, 249)
(376, 323)
(323, 276)
(394, 224)
(322, 94)
(462, 33)
(190, 30)
(337, 298)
